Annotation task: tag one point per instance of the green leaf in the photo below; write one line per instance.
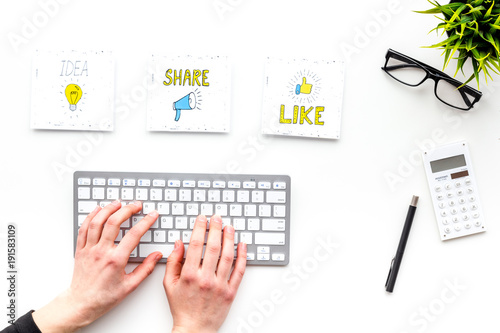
(488, 13)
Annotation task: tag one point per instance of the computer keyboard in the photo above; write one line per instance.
(257, 206)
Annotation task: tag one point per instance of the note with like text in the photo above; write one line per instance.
(188, 94)
(72, 90)
(303, 98)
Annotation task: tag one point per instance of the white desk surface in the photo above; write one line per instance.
(339, 190)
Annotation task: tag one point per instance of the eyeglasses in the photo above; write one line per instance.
(413, 73)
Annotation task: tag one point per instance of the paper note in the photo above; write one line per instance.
(189, 94)
(303, 98)
(72, 90)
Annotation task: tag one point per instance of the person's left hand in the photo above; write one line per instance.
(99, 278)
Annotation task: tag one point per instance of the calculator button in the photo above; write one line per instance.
(463, 209)
(477, 223)
(452, 203)
(458, 227)
(467, 181)
(467, 225)
(473, 207)
(438, 188)
(475, 215)
(458, 184)
(447, 230)
(465, 217)
(443, 213)
(449, 195)
(453, 211)
(460, 192)
(447, 186)
(441, 205)
(455, 219)
(461, 201)
(446, 221)
(472, 198)
(440, 197)
(470, 190)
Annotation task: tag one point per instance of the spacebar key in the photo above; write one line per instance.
(147, 249)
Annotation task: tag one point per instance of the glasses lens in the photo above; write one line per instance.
(407, 73)
(449, 93)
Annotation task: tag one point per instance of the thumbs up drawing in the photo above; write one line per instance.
(305, 88)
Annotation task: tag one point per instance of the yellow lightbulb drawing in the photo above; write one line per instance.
(73, 94)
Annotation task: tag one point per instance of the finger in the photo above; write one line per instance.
(143, 270)
(239, 267)
(112, 226)
(132, 238)
(97, 223)
(195, 248)
(174, 264)
(82, 232)
(227, 254)
(212, 250)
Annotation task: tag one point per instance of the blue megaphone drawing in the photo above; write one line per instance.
(187, 102)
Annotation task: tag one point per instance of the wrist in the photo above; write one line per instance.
(180, 329)
(62, 314)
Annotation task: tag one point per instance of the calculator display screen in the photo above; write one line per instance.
(448, 163)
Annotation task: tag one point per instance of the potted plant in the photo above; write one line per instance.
(473, 31)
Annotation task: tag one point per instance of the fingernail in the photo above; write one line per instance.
(153, 213)
(229, 229)
(216, 218)
(138, 203)
(177, 245)
(158, 257)
(244, 246)
(116, 203)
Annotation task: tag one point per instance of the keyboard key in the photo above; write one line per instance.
(276, 197)
(84, 193)
(243, 196)
(228, 196)
(199, 195)
(278, 257)
(141, 194)
(159, 182)
(127, 194)
(99, 182)
(188, 183)
(273, 225)
(114, 182)
(250, 185)
(264, 185)
(86, 206)
(263, 238)
(146, 249)
(204, 183)
(234, 184)
(160, 236)
(144, 182)
(174, 183)
(279, 185)
(257, 196)
(156, 194)
(129, 182)
(219, 184)
(83, 181)
(170, 195)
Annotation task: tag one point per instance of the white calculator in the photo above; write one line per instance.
(454, 191)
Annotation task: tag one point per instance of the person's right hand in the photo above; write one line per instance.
(200, 294)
